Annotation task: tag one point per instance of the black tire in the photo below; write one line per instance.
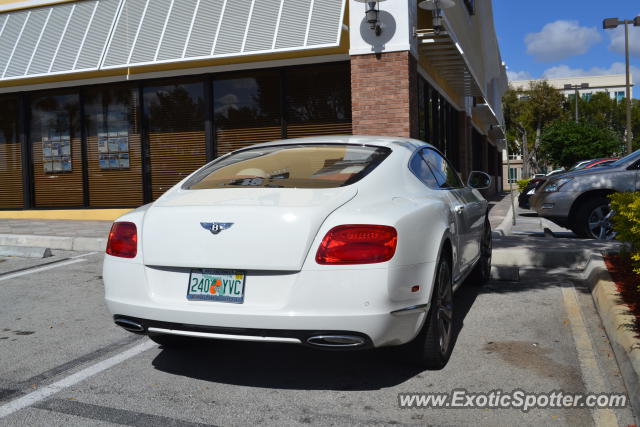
(432, 347)
(481, 272)
(586, 213)
(170, 341)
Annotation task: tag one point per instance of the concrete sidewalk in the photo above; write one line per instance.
(55, 234)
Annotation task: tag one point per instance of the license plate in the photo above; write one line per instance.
(216, 285)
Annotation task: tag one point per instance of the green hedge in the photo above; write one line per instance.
(522, 184)
(627, 222)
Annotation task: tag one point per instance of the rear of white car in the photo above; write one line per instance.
(342, 266)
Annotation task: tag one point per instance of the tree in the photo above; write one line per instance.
(566, 142)
(527, 113)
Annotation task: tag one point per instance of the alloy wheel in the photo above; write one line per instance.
(599, 222)
(444, 306)
(486, 252)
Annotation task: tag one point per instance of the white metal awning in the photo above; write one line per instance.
(92, 35)
(447, 57)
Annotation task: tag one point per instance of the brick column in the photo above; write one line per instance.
(384, 94)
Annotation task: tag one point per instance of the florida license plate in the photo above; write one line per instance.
(216, 285)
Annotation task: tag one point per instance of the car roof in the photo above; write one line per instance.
(380, 141)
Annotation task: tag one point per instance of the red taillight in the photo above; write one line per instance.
(123, 240)
(358, 244)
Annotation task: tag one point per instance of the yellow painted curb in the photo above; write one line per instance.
(75, 214)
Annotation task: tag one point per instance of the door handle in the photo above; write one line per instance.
(459, 209)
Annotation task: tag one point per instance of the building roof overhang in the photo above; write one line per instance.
(447, 58)
(110, 35)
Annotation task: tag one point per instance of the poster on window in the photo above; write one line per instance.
(56, 154)
(113, 150)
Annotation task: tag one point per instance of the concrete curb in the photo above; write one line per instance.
(617, 321)
(24, 252)
(506, 225)
(573, 259)
(88, 244)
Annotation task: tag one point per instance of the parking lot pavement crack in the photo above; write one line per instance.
(113, 415)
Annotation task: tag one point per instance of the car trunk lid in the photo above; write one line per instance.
(272, 228)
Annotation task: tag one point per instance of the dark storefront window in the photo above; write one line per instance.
(247, 109)
(103, 146)
(477, 151)
(318, 100)
(422, 110)
(56, 149)
(114, 155)
(10, 156)
(175, 119)
(438, 122)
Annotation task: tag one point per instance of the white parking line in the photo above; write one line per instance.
(591, 374)
(37, 270)
(43, 393)
(85, 255)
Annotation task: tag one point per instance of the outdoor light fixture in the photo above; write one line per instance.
(436, 7)
(610, 24)
(372, 12)
(577, 95)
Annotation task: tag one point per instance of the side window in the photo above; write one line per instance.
(419, 167)
(445, 174)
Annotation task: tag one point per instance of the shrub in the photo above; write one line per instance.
(522, 184)
(626, 222)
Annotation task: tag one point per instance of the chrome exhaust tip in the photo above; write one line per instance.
(336, 341)
(129, 325)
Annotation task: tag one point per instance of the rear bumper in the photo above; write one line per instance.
(368, 303)
(246, 334)
(378, 330)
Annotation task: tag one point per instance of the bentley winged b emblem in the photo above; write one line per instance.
(216, 227)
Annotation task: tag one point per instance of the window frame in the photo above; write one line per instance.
(418, 152)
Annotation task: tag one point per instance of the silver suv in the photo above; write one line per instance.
(578, 200)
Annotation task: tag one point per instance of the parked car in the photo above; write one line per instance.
(529, 190)
(534, 184)
(329, 242)
(601, 162)
(555, 172)
(580, 165)
(578, 200)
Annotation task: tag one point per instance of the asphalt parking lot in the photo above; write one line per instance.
(63, 362)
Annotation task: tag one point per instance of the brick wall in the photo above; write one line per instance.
(384, 94)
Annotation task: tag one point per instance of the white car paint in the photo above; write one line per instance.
(275, 237)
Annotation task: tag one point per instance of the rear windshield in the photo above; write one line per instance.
(291, 166)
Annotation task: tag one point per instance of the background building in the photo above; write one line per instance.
(512, 171)
(108, 103)
(615, 85)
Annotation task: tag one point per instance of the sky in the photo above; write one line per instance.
(564, 38)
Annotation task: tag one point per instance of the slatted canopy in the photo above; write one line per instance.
(92, 35)
(447, 58)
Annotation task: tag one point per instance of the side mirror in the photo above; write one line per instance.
(479, 180)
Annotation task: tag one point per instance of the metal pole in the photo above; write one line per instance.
(626, 45)
(513, 206)
(577, 114)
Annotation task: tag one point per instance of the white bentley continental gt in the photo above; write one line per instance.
(340, 242)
